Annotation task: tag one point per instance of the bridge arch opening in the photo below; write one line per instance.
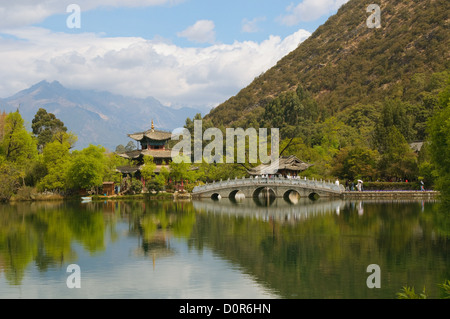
(264, 192)
(313, 196)
(236, 195)
(291, 196)
(216, 196)
(264, 196)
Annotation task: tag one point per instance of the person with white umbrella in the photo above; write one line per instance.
(360, 185)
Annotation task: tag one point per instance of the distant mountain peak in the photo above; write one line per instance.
(46, 83)
(96, 117)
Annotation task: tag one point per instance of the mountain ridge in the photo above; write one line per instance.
(96, 117)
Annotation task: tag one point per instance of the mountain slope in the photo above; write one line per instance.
(96, 117)
(344, 62)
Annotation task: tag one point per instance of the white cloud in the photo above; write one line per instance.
(251, 26)
(136, 66)
(201, 32)
(310, 10)
(20, 13)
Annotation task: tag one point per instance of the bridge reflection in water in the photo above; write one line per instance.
(276, 208)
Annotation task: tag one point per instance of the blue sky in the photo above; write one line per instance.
(254, 20)
(181, 52)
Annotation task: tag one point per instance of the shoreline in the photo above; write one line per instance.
(412, 195)
(55, 197)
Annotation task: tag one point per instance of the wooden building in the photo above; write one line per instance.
(285, 166)
(108, 188)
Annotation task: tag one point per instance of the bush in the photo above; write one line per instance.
(136, 187)
(153, 186)
(25, 193)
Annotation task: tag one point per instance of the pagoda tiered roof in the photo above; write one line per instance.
(152, 135)
(163, 154)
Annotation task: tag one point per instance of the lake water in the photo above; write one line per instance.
(223, 249)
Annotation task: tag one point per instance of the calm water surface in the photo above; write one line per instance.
(225, 249)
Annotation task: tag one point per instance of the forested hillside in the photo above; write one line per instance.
(345, 63)
(352, 99)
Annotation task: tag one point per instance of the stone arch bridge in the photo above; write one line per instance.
(275, 186)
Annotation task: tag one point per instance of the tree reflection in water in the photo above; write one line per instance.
(308, 249)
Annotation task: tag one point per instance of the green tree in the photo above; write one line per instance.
(162, 177)
(56, 158)
(439, 135)
(148, 169)
(35, 172)
(182, 172)
(45, 126)
(17, 144)
(65, 137)
(87, 167)
(136, 186)
(9, 179)
(112, 161)
(398, 160)
(356, 162)
(395, 113)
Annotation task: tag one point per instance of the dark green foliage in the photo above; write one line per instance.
(9, 180)
(291, 109)
(136, 187)
(439, 131)
(17, 146)
(45, 126)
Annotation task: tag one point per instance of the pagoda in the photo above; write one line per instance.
(152, 143)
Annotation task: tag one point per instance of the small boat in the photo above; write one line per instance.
(86, 199)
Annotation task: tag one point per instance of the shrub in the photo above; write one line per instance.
(136, 187)
(25, 193)
(153, 185)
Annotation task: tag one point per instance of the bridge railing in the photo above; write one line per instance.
(299, 182)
